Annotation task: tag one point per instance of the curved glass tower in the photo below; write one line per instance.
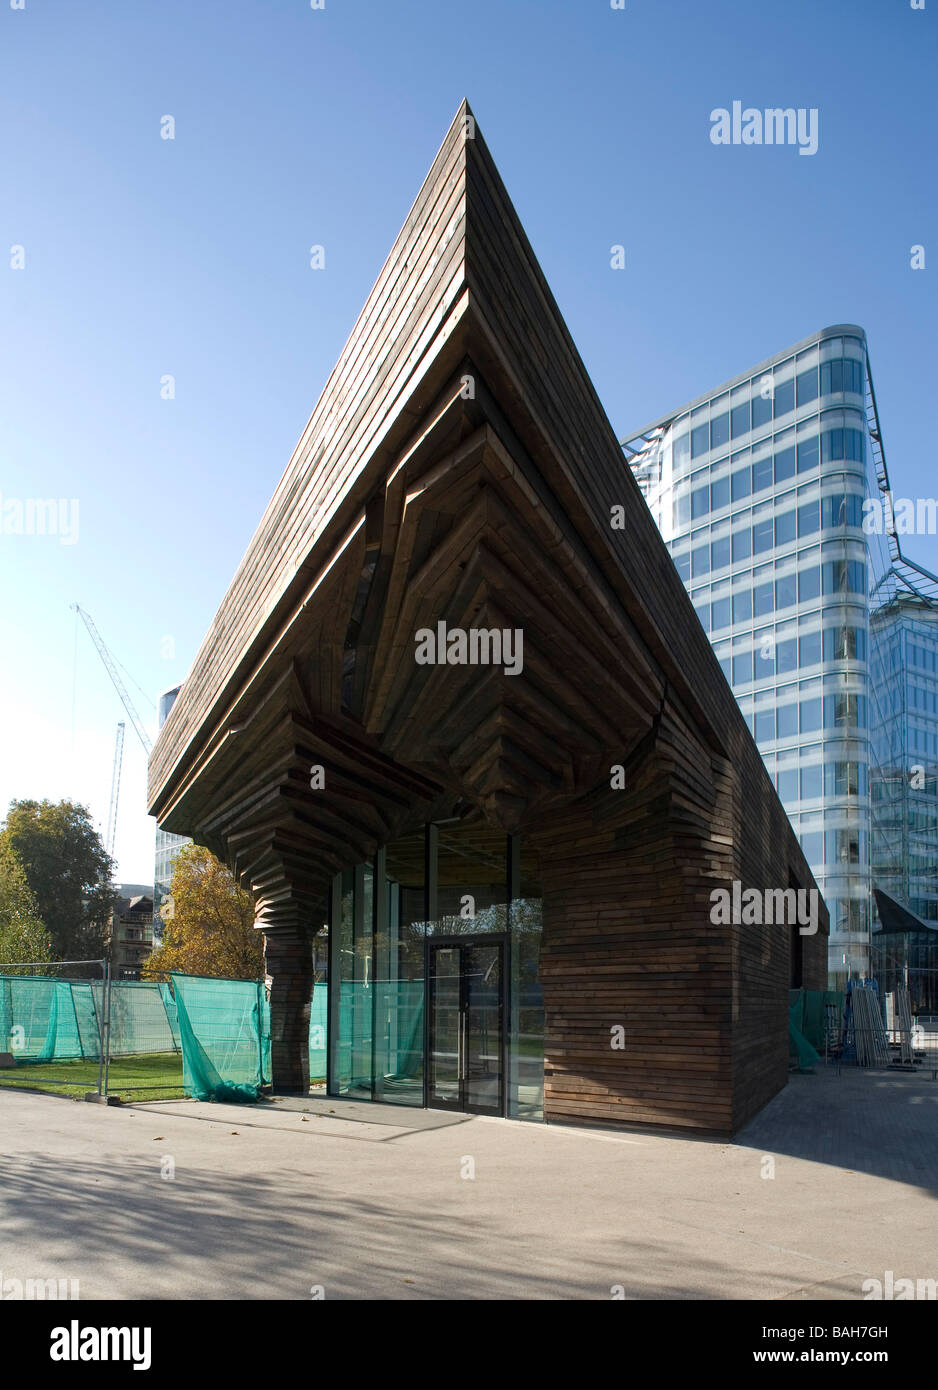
(167, 845)
(758, 488)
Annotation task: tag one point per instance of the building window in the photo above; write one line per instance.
(762, 473)
(785, 464)
(739, 419)
(742, 668)
(786, 656)
(742, 483)
(788, 728)
(810, 715)
(808, 454)
(763, 535)
(811, 782)
(785, 529)
(720, 553)
(699, 502)
(784, 397)
(764, 730)
(699, 440)
(786, 591)
(719, 431)
(807, 386)
(763, 599)
(742, 606)
(809, 649)
(788, 781)
(809, 583)
(720, 614)
(720, 493)
(761, 406)
(742, 544)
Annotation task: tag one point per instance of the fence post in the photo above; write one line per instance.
(107, 1026)
(260, 1033)
(99, 1018)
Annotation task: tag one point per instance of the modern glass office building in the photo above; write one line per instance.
(167, 846)
(904, 632)
(758, 488)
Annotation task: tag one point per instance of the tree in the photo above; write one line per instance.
(22, 935)
(68, 873)
(209, 928)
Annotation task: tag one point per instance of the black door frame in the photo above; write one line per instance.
(468, 940)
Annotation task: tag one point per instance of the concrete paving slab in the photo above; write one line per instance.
(834, 1183)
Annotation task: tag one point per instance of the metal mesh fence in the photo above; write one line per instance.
(68, 1027)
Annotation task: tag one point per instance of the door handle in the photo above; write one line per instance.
(464, 1041)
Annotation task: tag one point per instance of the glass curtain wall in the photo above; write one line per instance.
(526, 1040)
(759, 493)
(461, 879)
(351, 940)
(905, 793)
(399, 972)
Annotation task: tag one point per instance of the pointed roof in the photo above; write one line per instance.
(460, 361)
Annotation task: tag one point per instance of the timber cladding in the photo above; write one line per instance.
(630, 956)
(459, 468)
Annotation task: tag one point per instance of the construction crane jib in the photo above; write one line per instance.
(112, 671)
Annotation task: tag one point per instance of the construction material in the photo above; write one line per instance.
(866, 1034)
(903, 1026)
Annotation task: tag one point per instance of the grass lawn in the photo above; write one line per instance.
(128, 1077)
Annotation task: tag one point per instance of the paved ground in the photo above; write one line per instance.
(366, 1201)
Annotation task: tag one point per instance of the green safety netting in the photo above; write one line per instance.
(798, 1044)
(318, 1016)
(380, 1032)
(224, 1029)
(45, 1020)
(808, 1012)
(140, 1021)
(399, 1036)
(49, 1020)
(807, 1023)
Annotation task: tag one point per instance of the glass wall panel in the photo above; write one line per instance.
(471, 887)
(399, 972)
(351, 975)
(526, 1038)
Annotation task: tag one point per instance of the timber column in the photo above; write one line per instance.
(289, 925)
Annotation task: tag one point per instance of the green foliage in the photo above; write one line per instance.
(67, 870)
(22, 935)
(209, 929)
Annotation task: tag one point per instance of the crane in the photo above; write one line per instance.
(111, 667)
(115, 791)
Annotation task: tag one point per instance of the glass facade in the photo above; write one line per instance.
(167, 845)
(904, 630)
(434, 997)
(759, 493)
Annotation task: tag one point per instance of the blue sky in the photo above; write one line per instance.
(293, 127)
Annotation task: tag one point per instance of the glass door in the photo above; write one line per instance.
(467, 1010)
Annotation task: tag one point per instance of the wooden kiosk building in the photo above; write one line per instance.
(515, 857)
